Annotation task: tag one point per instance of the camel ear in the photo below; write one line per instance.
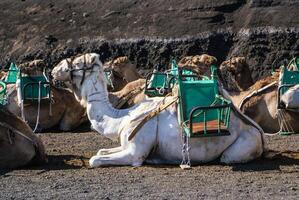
(213, 59)
(93, 59)
(242, 60)
(183, 62)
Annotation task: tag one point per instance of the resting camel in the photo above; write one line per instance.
(161, 133)
(122, 72)
(259, 101)
(66, 112)
(18, 145)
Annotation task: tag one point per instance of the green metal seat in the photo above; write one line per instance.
(203, 113)
(2, 93)
(160, 83)
(107, 74)
(32, 85)
(12, 74)
(289, 78)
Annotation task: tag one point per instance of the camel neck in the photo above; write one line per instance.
(103, 117)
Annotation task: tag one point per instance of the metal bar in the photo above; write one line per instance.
(205, 122)
(219, 119)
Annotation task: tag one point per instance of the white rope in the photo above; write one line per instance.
(22, 110)
(38, 108)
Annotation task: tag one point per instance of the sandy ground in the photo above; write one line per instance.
(67, 175)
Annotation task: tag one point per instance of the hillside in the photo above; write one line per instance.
(150, 31)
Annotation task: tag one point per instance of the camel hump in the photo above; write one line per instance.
(121, 60)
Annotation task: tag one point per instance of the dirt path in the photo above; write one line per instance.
(67, 175)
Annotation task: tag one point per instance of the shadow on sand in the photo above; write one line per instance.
(271, 161)
(55, 162)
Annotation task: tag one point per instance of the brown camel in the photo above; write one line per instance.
(18, 145)
(66, 112)
(260, 100)
(122, 72)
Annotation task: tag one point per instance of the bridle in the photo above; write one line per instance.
(84, 69)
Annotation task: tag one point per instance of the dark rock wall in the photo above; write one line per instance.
(151, 31)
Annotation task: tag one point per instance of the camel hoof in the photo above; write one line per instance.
(94, 162)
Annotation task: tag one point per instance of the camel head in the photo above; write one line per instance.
(199, 63)
(122, 72)
(75, 72)
(32, 68)
(236, 73)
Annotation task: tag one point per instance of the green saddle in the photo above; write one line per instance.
(34, 87)
(203, 112)
(12, 75)
(3, 93)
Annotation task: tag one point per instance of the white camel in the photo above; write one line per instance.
(159, 140)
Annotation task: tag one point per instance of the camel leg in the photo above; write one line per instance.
(109, 151)
(124, 157)
(133, 155)
(247, 147)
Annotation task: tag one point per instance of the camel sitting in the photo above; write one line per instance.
(161, 133)
(122, 72)
(18, 145)
(66, 112)
(259, 101)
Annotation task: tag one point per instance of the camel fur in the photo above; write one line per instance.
(18, 145)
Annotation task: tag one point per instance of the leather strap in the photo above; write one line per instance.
(150, 116)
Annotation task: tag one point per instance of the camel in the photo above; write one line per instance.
(200, 64)
(259, 101)
(160, 134)
(66, 112)
(122, 72)
(18, 145)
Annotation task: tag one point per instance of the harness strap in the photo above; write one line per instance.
(256, 92)
(84, 64)
(150, 116)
